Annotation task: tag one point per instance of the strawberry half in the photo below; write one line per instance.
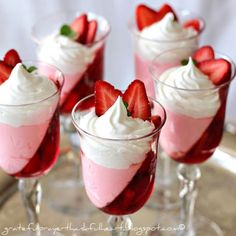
(203, 54)
(166, 9)
(105, 96)
(136, 98)
(92, 29)
(194, 24)
(12, 57)
(218, 70)
(5, 71)
(80, 26)
(156, 120)
(146, 16)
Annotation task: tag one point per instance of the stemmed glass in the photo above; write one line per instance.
(81, 72)
(191, 134)
(145, 50)
(117, 192)
(30, 135)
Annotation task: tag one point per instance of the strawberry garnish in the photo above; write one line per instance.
(166, 9)
(194, 24)
(80, 26)
(105, 96)
(146, 16)
(11, 58)
(203, 54)
(136, 98)
(85, 30)
(5, 71)
(92, 29)
(156, 120)
(218, 70)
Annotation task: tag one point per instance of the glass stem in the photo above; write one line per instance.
(188, 175)
(120, 225)
(31, 193)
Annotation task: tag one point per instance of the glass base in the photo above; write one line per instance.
(65, 181)
(171, 227)
(166, 192)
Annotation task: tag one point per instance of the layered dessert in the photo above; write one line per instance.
(77, 49)
(160, 30)
(29, 123)
(118, 147)
(194, 96)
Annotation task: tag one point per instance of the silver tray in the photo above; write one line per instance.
(216, 200)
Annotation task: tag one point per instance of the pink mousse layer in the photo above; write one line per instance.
(181, 132)
(103, 184)
(142, 72)
(19, 144)
(70, 81)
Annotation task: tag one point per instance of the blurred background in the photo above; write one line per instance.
(17, 18)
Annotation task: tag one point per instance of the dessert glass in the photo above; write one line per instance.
(189, 140)
(145, 50)
(78, 85)
(117, 192)
(29, 151)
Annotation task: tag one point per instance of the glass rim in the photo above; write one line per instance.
(46, 98)
(38, 41)
(216, 87)
(153, 132)
(133, 29)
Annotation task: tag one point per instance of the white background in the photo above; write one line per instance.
(18, 16)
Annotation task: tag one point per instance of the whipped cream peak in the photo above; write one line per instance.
(186, 90)
(35, 92)
(116, 125)
(167, 29)
(66, 54)
(164, 35)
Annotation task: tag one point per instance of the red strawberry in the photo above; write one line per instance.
(137, 100)
(105, 96)
(146, 16)
(218, 70)
(156, 120)
(80, 26)
(166, 9)
(203, 54)
(193, 23)
(12, 57)
(5, 71)
(92, 29)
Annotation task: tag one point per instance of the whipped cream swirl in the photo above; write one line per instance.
(191, 93)
(115, 124)
(21, 88)
(165, 35)
(66, 54)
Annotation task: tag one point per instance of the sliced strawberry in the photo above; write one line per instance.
(164, 10)
(156, 120)
(5, 71)
(137, 100)
(105, 96)
(12, 57)
(92, 29)
(218, 70)
(145, 16)
(80, 26)
(193, 23)
(203, 54)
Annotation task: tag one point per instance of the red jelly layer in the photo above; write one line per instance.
(137, 192)
(47, 153)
